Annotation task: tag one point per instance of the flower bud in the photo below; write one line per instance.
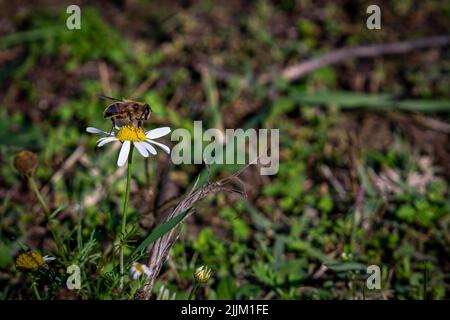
(202, 274)
(26, 162)
(30, 261)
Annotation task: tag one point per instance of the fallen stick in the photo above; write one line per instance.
(298, 71)
(374, 50)
(66, 166)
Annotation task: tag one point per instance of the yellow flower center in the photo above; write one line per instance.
(30, 261)
(133, 134)
(139, 268)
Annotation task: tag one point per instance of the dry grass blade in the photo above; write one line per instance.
(159, 250)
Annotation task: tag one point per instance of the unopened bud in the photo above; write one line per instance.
(202, 274)
(26, 162)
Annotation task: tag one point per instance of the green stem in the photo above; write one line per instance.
(425, 279)
(194, 288)
(124, 214)
(364, 291)
(35, 189)
(35, 290)
(59, 244)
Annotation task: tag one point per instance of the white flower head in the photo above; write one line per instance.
(139, 269)
(141, 139)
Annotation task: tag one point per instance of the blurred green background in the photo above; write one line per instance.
(364, 145)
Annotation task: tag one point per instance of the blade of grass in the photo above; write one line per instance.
(159, 232)
(353, 100)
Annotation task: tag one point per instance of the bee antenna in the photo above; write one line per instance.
(102, 96)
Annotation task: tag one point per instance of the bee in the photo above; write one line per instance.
(126, 112)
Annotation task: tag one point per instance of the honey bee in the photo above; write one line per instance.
(126, 112)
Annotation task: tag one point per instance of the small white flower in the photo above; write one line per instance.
(139, 269)
(140, 138)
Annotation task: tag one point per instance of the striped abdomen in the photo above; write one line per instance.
(111, 110)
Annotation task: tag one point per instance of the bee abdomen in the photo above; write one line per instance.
(110, 111)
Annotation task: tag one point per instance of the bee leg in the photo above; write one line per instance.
(140, 123)
(142, 117)
(113, 125)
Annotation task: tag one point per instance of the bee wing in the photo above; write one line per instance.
(102, 96)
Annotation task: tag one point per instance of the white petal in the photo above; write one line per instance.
(158, 132)
(142, 150)
(104, 141)
(49, 258)
(101, 139)
(149, 147)
(123, 155)
(94, 130)
(147, 271)
(162, 146)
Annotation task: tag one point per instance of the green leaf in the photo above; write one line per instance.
(406, 213)
(309, 250)
(226, 289)
(160, 231)
(5, 255)
(346, 266)
(259, 220)
(354, 100)
(55, 213)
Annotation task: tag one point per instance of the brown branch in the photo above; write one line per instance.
(104, 78)
(302, 69)
(299, 70)
(66, 167)
(144, 86)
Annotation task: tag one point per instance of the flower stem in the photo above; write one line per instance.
(124, 214)
(39, 196)
(35, 290)
(194, 288)
(425, 279)
(59, 244)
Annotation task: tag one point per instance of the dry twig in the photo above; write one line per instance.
(302, 69)
(369, 51)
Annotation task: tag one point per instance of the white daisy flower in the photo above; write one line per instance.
(141, 139)
(139, 269)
